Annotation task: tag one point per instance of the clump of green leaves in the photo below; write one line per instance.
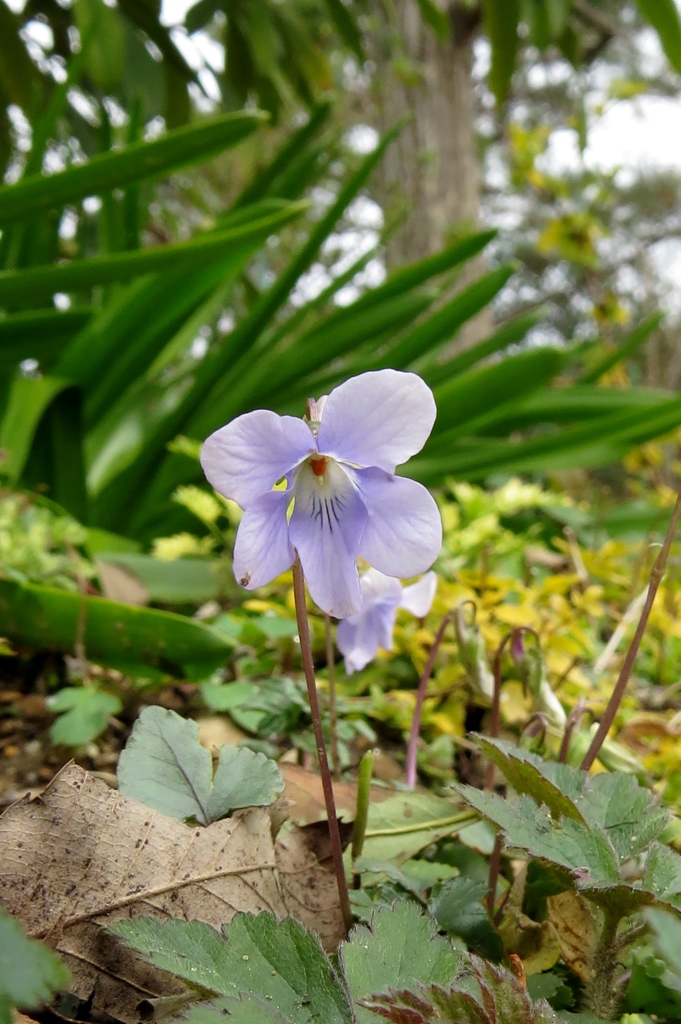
(29, 972)
(599, 834)
(38, 545)
(264, 970)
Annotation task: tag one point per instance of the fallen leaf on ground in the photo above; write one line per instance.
(303, 791)
(573, 921)
(83, 856)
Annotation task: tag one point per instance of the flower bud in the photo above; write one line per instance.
(533, 736)
(473, 653)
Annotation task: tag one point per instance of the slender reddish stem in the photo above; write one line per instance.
(327, 785)
(412, 745)
(656, 574)
(333, 712)
(572, 720)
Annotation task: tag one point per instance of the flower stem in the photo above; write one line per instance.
(412, 745)
(327, 785)
(333, 714)
(366, 767)
(496, 704)
(600, 993)
(656, 574)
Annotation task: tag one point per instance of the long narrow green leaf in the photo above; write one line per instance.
(19, 76)
(663, 15)
(265, 183)
(424, 270)
(135, 162)
(83, 274)
(39, 334)
(56, 459)
(623, 351)
(29, 398)
(441, 327)
(318, 348)
(138, 640)
(146, 17)
(575, 404)
(592, 444)
(477, 394)
(347, 27)
(114, 501)
(398, 284)
(124, 322)
(509, 334)
(501, 19)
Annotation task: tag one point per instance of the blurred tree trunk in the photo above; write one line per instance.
(432, 172)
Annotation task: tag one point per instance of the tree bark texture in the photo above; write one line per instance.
(431, 176)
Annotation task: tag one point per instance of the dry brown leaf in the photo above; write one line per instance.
(533, 941)
(120, 584)
(305, 797)
(570, 915)
(216, 730)
(82, 856)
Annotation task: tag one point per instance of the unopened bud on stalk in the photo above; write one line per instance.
(533, 736)
(472, 651)
(534, 677)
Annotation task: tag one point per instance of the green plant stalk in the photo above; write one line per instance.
(496, 703)
(600, 995)
(333, 711)
(495, 859)
(462, 818)
(656, 574)
(366, 767)
(327, 785)
(413, 744)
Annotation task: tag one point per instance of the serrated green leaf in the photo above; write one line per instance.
(492, 995)
(586, 853)
(667, 931)
(258, 957)
(547, 782)
(613, 801)
(458, 909)
(165, 767)
(30, 973)
(399, 949)
(663, 875)
(83, 711)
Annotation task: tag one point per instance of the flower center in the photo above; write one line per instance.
(318, 464)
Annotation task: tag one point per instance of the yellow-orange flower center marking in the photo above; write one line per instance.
(318, 464)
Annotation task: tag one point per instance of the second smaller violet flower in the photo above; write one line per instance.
(359, 637)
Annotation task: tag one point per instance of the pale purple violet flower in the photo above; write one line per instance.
(359, 637)
(339, 466)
